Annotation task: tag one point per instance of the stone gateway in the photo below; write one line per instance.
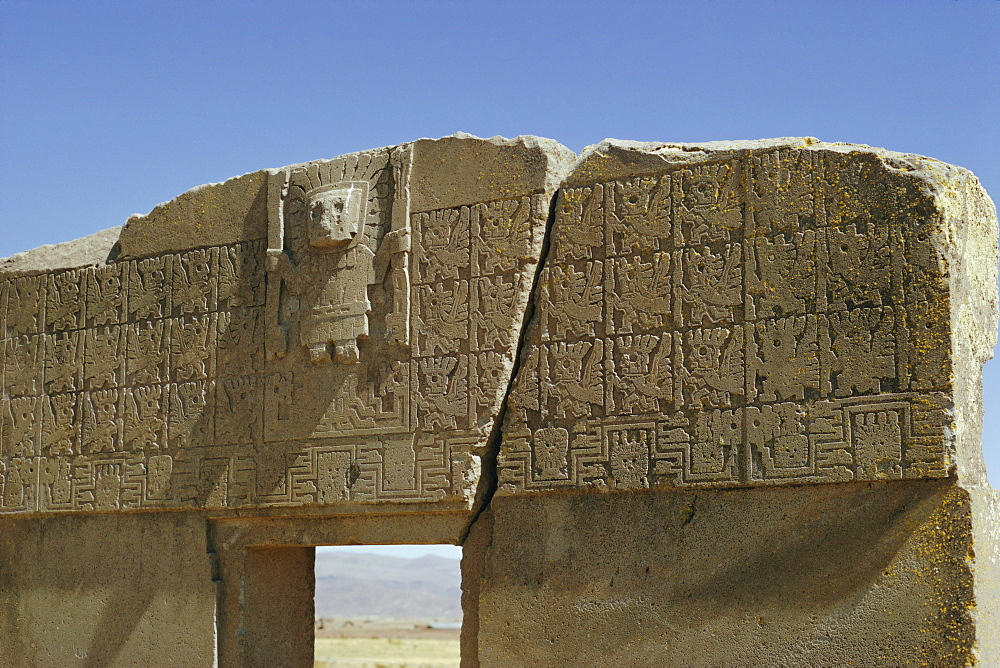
(682, 405)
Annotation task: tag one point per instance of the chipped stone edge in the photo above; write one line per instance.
(92, 250)
(104, 246)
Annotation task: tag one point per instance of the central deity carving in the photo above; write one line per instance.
(335, 245)
(333, 310)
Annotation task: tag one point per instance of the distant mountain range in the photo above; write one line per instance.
(361, 585)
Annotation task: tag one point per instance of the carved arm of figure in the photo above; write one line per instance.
(393, 259)
(282, 268)
(279, 268)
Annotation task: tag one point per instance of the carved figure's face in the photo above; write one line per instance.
(551, 447)
(147, 400)
(335, 217)
(491, 368)
(192, 397)
(23, 413)
(705, 348)
(633, 355)
(160, 467)
(634, 197)
(495, 220)
(151, 273)
(437, 229)
(567, 361)
(107, 487)
(68, 287)
(629, 459)
(437, 375)
(701, 191)
(109, 283)
(104, 406)
(63, 409)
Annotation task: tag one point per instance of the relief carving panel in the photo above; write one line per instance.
(761, 314)
(359, 352)
(753, 315)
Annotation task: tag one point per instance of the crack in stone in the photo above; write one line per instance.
(488, 480)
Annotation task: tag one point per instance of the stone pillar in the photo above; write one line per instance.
(266, 606)
(474, 553)
(856, 574)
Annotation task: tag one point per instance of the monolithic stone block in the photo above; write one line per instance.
(91, 250)
(742, 315)
(214, 214)
(756, 313)
(338, 331)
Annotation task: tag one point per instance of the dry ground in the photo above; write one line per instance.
(372, 642)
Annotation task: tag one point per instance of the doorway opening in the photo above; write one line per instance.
(388, 605)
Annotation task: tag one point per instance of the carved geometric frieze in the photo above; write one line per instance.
(359, 352)
(759, 315)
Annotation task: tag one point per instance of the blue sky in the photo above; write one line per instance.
(110, 108)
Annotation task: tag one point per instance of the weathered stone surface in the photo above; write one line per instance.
(106, 590)
(462, 169)
(859, 574)
(731, 314)
(984, 507)
(214, 214)
(308, 335)
(95, 249)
